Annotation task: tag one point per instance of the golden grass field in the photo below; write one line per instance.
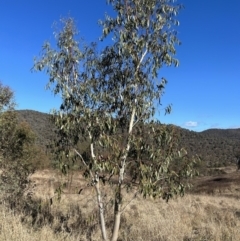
(211, 211)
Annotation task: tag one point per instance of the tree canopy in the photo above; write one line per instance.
(16, 148)
(109, 101)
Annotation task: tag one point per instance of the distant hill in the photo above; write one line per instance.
(40, 124)
(226, 133)
(216, 147)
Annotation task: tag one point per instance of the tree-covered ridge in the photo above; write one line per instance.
(40, 124)
(216, 147)
(231, 133)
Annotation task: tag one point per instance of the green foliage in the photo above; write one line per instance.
(6, 98)
(213, 146)
(7, 118)
(98, 109)
(109, 100)
(40, 124)
(16, 149)
(44, 130)
(216, 147)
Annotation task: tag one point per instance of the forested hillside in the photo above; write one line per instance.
(216, 147)
(40, 124)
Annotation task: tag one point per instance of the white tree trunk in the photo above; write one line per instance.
(118, 196)
(101, 212)
(117, 218)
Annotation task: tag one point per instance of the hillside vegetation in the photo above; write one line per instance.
(40, 124)
(209, 211)
(215, 147)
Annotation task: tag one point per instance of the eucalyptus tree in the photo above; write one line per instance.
(7, 118)
(109, 100)
(16, 149)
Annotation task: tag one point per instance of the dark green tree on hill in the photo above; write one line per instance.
(110, 99)
(16, 148)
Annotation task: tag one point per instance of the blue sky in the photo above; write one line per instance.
(204, 90)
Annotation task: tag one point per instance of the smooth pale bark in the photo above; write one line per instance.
(117, 219)
(99, 197)
(118, 196)
(117, 214)
(101, 212)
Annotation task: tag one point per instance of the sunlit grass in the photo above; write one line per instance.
(194, 217)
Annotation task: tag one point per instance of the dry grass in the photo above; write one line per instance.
(12, 229)
(213, 214)
(194, 217)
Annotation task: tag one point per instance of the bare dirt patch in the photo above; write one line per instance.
(223, 184)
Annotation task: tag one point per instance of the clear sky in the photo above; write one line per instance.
(204, 90)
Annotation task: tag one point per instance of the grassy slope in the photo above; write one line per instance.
(210, 212)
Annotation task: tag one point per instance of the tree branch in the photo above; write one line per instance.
(135, 195)
(144, 54)
(85, 164)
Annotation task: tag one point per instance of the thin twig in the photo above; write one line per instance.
(85, 164)
(135, 195)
